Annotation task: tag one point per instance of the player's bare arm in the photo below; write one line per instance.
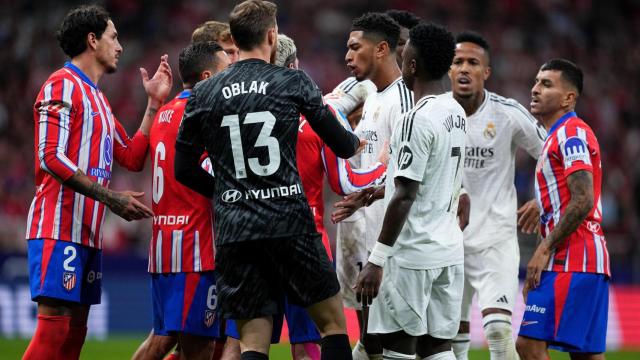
(529, 217)
(157, 89)
(464, 210)
(368, 282)
(580, 204)
(121, 203)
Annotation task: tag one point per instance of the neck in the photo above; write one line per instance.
(89, 66)
(387, 72)
(261, 52)
(472, 103)
(549, 120)
(422, 88)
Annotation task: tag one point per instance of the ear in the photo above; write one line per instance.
(487, 73)
(570, 98)
(92, 41)
(272, 36)
(413, 66)
(381, 49)
(205, 74)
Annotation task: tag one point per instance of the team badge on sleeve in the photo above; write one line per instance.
(575, 149)
(209, 318)
(69, 280)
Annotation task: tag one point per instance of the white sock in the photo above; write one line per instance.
(358, 352)
(393, 355)
(445, 355)
(497, 330)
(460, 345)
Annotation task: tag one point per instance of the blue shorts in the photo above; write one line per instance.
(569, 311)
(186, 303)
(302, 329)
(64, 270)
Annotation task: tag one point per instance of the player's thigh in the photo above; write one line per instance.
(301, 326)
(401, 304)
(186, 303)
(497, 283)
(248, 283)
(304, 269)
(351, 256)
(443, 311)
(65, 271)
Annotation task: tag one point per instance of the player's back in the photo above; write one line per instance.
(182, 238)
(250, 131)
(428, 147)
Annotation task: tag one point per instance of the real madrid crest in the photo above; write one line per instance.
(376, 114)
(490, 131)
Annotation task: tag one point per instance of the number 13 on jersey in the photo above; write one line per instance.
(264, 139)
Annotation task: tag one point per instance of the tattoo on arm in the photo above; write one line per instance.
(82, 184)
(147, 120)
(581, 202)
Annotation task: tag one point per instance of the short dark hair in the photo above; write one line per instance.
(435, 49)
(211, 31)
(570, 72)
(77, 24)
(404, 18)
(196, 58)
(250, 20)
(379, 26)
(474, 38)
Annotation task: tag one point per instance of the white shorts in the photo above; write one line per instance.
(418, 302)
(493, 274)
(351, 256)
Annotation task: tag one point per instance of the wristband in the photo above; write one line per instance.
(380, 253)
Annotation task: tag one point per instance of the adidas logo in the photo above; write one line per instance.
(503, 299)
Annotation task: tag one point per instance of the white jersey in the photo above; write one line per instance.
(381, 113)
(495, 131)
(350, 94)
(428, 147)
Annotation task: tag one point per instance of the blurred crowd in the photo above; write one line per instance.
(600, 36)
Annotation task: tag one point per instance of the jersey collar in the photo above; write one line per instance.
(79, 72)
(184, 94)
(561, 121)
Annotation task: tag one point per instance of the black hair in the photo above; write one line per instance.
(570, 71)
(404, 18)
(77, 24)
(474, 38)
(378, 26)
(196, 58)
(435, 49)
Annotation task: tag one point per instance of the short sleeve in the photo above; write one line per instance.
(413, 142)
(576, 150)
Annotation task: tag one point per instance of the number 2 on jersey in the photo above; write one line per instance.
(264, 139)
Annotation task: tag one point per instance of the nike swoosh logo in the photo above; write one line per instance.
(525, 323)
(94, 113)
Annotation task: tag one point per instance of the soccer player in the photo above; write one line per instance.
(77, 139)
(497, 127)
(247, 119)
(566, 289)
(314, 159)
(181, 252)
(414, 276)
(407, 20)
(218, 32)
(371, 55)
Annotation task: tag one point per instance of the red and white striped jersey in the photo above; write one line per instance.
(183, 219)
(314, 158)
(571, 146)
(75, 129)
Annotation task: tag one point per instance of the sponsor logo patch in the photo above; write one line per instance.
(575, 149)
(231, 196)
(108, 150)
(405, 157)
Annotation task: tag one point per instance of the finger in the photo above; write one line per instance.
(136, 194)
(164, 58)
(144, 74)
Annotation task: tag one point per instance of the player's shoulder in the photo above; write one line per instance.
(507, 105)
(576, 126)
(396, 94)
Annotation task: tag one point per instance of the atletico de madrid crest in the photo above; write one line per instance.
(69, 280)
(209, 318)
